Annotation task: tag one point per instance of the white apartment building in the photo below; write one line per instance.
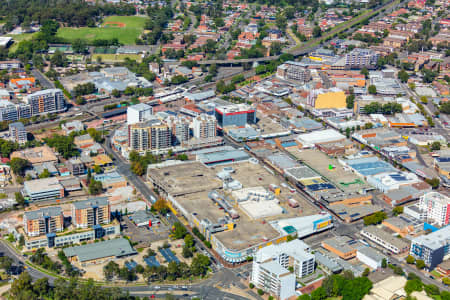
(436, 207)
(180, 129)
(271, 264)
(139, 113)
(274, 279)
(18, 133)
(160, 137)
(205, 126)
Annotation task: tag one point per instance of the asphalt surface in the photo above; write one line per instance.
(19, 260)
(43, 80)
(124, 169)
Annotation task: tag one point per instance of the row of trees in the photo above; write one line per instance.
(24, 288)
(386, 109)
(70, 12)
(84, 89)
(173, 271)
(375, 218)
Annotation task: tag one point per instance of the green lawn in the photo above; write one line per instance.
(116, 57)
(18, 38)
(127, 35)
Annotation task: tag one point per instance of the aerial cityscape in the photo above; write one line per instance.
(258, 150)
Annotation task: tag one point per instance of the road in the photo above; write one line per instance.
(19, 260)
(124, 169)
(43, 80)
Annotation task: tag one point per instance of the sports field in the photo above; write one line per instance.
(112, 58)
(124, 28)
(17, 38)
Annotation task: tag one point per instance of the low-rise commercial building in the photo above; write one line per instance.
(111, 180)
(371, 257)
(78, 236)
(308, 140)
(399, 225)
(328, 264)
(99, 252)
(43, 189)
(384, 239)
(340, 246)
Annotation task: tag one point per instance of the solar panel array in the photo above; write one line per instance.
(168, 255)
(151, 261)
(131, 265)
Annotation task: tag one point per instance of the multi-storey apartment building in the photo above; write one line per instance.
(18, 133)
(179, 128)
(359, 58)
(149, 135)
(46, 101)
(295, 71)
(160, 137)
(139, 113)
(271, 264)
(43, 221)
(432, 248)
(204, 126)
(436, 207)
(91, 212)
(138, 136)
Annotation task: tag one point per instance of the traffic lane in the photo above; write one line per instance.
(19, 260)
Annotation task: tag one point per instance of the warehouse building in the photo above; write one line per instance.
(308, 140)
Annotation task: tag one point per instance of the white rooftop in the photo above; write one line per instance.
(321, 136)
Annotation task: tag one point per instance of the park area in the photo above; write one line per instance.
(125, 28)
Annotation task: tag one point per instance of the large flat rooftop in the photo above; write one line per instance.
(330, 169)
(247, 232)
(184, 178)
